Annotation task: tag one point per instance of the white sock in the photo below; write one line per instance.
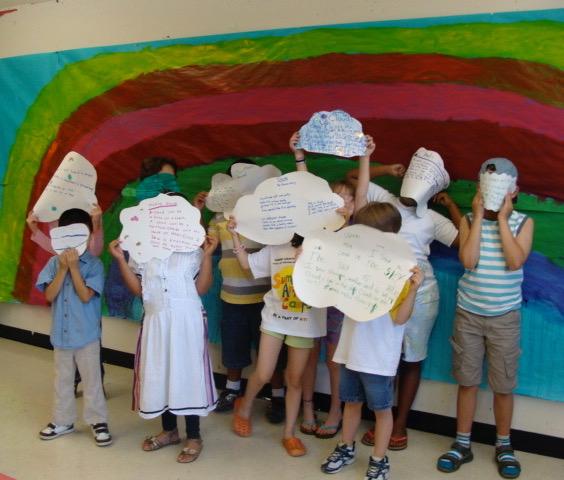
(278, 392)
(233, 385)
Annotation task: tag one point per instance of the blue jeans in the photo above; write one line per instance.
(376, 390)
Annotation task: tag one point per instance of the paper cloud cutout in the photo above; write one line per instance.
(335, 133)
(425, 177)
(298, 202)
(70, 236)
(494, 187)
(226, 189)
(159, 226)
(359, 270)
(73, 185)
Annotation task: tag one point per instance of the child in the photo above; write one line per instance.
(369, 353)
(73, 285)
(158, 175)
(241, 299)
(172, 362)
(419, 232)
(285, 320)
(494, 245)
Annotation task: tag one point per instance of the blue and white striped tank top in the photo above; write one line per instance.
(490, 289)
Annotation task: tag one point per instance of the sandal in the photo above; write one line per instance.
(309, 427)
(454, 458)
(398, 443)
(329, 430)
(368, 438)
(152, 443)
(507, 465)
(240, 425)
(191, 451)
(294, 447)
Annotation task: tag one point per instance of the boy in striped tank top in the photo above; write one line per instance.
(495, 242)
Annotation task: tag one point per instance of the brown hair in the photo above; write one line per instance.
(383, 216)
(153, 165)
(345, 184)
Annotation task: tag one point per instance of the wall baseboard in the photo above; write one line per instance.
(427, 422)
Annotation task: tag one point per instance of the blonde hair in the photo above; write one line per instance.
(380, 215)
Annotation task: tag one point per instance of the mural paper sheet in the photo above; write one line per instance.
(226, 189)
(359, 270)
(335, 133)
(494, 187)
(159, 226)
(70, 236)
(298, 202)
(425, 177)
(72, 186)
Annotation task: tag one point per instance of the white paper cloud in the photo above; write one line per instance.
(71, 236)
(494, 187)
(425, 177)
(73, 185)
(226, 189)
(159, 226)
(298, 202)
(335, 133)
(359, 270)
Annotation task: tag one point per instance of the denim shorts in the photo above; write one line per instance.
(240, 333)
(376, 390)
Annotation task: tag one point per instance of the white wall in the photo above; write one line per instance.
(67, 24)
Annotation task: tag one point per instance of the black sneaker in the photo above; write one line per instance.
(101, 434)
(341, 456)
(378, 470)
(276, 410)
(53, 431)
(226, 400)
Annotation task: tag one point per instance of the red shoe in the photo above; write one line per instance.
(294, 447)
(240, 425)
(368, 438)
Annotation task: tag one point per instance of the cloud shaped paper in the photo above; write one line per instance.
(73, 185)
(70, 236)
(159, 226)
(226, 189)
(359, 270)
(298, 202)
(335, 133)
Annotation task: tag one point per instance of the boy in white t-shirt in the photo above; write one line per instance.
(369, 354)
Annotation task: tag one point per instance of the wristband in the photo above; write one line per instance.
(300, 161)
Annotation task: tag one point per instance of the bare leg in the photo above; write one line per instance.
(466, 408)
(409, 377)
(335, 414)
(351, 421)
(297, 361)
(309, 383)
(382, 431)
(266, 363)
(503, 412)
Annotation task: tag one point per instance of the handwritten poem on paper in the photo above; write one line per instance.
(359, 270)
(494, 187)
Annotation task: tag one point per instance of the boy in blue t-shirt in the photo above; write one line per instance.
(73, 284)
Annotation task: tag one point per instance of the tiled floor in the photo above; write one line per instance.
(25, 401)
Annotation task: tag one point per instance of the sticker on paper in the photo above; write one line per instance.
(298, 202)
(494, 187)
(359, 270)
(73, 185)
(424, 178)
(227, 189)
(335, 133)
(70, 236)
(159, 226)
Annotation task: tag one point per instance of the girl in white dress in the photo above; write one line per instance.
(172, 366)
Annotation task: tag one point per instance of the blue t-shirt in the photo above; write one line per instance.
(75, 324)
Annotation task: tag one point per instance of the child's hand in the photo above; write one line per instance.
(416, 278)
(96, 215)
(72, 258)
(343, 212)
(63, 262)
(396, 170)
(200, 200)
(478, 205)
(32, 221)
(116, 250)
(370, 146)
(232, 225)
(443, 198)
(298, 152)
(506, 207)
(298, 252)
(210, 244)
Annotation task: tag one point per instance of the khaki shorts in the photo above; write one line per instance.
(291, 340)
(497, 337)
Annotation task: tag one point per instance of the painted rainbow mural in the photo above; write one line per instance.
(469, 87)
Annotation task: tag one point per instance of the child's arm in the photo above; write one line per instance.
(205, 277)
(405, 309)
(84, 292)
(200, 202)
(363, 178)
(239, 248)
(515, 249)
(37, 236)
(443, 198)
(54, 287)
(299, 153)
(97, 241)
(395, 170)
(130, 279)
(469, 236)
